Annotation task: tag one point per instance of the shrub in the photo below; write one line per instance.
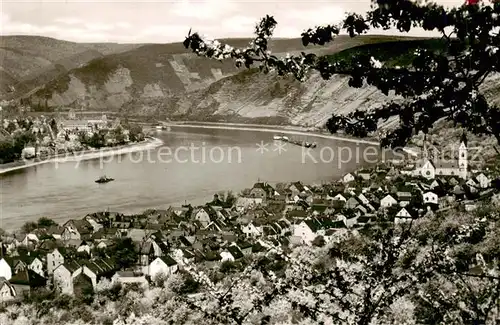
(227, 267)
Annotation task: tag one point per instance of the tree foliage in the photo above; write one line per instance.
(29, 227)
(124, 251)
(11, 148)
(436, 85)
(45, 222)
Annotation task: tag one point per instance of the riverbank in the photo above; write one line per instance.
(149, 143)
(291, 130)
(282, 129)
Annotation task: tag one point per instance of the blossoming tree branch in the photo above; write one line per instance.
(436, 85)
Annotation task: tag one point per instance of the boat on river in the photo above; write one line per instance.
(104, 179)
(281, 138)
(296, 142)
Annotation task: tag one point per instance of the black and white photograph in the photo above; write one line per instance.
(249, 162)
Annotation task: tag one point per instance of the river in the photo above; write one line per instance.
(191, 165)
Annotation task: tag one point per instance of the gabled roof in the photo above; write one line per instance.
(28, 277)
(298, 186)
(66, 251)
(83, 226)
(28, 259)
(258, 247)
(71, 266)
(184, 241)
(235, 251)
(55, 230)
(187, 253)
(168, 260)
(3, 281)
(128, 274)
(313, 225)
(403, 195)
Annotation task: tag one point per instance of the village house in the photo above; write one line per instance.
(5, 269)
(483, 181)
(27, 280)
(77, 229)
(347, 178)
(243, 203)
(7, 291)
(364, 174)
(250, 230)
(34, 263)
(64, 276)
(205, 215)
(404, 197)
(130, 277)
(262, 190)
(297, 188)
(402, 216)
(95, 222)
(307, 230)
(231, 253)
(164, 265)
(57, 257)
(97, 269)
(430, 198)
(388, 201)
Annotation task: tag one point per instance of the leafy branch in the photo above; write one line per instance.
(435, 86)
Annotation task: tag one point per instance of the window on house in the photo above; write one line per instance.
(463, 154)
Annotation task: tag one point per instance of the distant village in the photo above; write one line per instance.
(81, 252)
(45, 136)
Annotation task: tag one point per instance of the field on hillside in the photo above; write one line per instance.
(392, 53)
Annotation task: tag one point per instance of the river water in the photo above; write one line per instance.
(191, 165)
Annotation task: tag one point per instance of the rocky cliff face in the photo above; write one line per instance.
(151, 77)
(158, 80)
(252, 96)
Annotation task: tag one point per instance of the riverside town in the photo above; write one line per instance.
(309, 163)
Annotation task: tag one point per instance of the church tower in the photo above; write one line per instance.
(462, 157)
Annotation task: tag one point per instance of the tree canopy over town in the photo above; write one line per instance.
(436, 85)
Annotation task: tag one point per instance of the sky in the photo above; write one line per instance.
(162, 21)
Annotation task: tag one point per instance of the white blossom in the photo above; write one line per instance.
(375, 63)
(492, 50)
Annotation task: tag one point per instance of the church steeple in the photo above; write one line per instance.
(463, 163)
(425, 153)
(463, 138)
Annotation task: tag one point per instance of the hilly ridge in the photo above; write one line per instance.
(164, 81)
(153, 76)
(31, 61)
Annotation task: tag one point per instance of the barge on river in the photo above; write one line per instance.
(296, 142)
